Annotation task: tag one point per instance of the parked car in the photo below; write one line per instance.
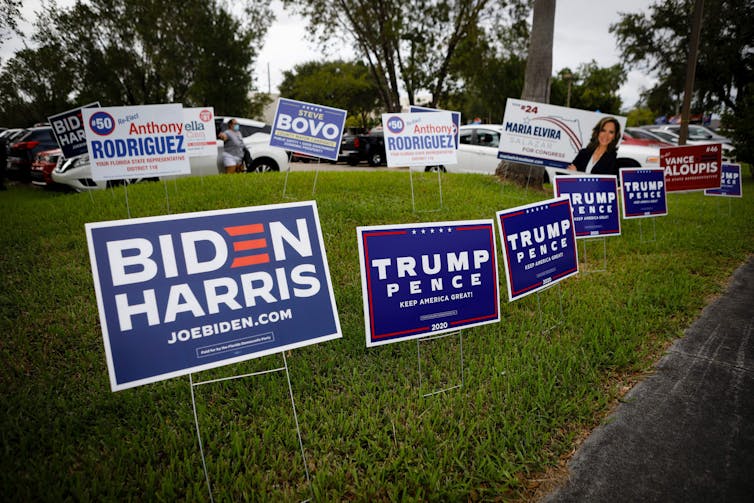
(41, 169)
(369, 148)
(479, 143)
(24, 147)
(77, 174)
(698, 135)
(640, 136)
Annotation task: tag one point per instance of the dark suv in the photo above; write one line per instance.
(24, 147)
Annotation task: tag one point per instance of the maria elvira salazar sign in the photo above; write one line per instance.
(184, 293)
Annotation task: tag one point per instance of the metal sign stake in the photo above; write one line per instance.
(293, 405)
(413, 198)
(419, 359)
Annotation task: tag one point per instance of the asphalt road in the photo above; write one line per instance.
(686, 433)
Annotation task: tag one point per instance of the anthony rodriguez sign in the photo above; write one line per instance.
(420, 139)
(539, 246)
(691, 167)
(136, 142)
(429, 278)
(594, 201)
(643, 192)
(184, 293)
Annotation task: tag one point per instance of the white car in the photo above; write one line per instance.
(77, 174)
(477, 152)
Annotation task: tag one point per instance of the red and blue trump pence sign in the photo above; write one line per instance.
(428, 278)
(643, 192)
(539, 246)
(184, 293)
(594, 202)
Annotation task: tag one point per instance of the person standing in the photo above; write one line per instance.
(232, 148)
(600, 155)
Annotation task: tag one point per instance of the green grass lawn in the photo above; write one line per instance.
(368, 434)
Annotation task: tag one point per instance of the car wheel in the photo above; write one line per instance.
(353, 162)
(375, 159)
(435, 169)
(263, 165)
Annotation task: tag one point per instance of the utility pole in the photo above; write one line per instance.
(696, 28)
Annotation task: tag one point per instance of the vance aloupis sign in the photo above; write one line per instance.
(183, 293)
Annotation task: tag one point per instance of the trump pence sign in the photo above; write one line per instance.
(429, 278)
(539, 246)
(183, 293)
(643, 192)
(594, 201)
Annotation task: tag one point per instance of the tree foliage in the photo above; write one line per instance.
(657, 41)
(592, 87)
(407, 46)
(10, 13)
(131, 52)
(338, 84)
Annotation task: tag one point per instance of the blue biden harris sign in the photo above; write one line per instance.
(184, 293)
(429, 278)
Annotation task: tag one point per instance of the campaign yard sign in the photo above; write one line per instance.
(420, 139)
(414, 109)
(184, 293)
(594, 202)
(546, 135)
(199, 127)
(643, 191)
(427, 278)
(539, 246)
(691, 167)
(308, 128)
(135, 142)
(68, 129)
(730, 182)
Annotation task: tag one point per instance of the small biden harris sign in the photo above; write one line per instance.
(539, 246)
(429, 278)
(184, 293)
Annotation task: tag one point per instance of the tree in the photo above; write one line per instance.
(34, 86)
(539, 58)
(406, 45)
(10, 13)
(338, 84)
(657, 41)
(592, 87)
(147, 51)
(536, 85)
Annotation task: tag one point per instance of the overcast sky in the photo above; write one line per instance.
(581, 34)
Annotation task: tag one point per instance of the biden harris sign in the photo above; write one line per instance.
(429, 278)
(184, 293)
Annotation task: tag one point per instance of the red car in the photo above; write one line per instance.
(41, 169)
